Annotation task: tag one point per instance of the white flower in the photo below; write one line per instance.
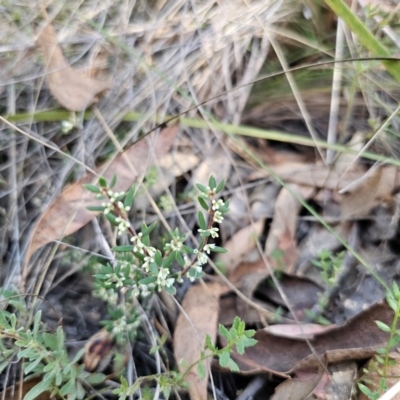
(217, 204)
(218, 217)
(207, 248)
(213, 232)
(147, 261)
(203, 259)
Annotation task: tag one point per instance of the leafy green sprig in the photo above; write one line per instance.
(157, 267)
(236, 337)
(382, 361)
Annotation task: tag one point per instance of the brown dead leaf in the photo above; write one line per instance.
(320, 176)
(358, 338)
(239, 245)
(228, 312)
(299, 388)
(13, 392)
(68, 212)
(301, 293)
(98, 351)
(282, 234)
(201, 306)
(361, 195)
(339, 384)
(73, 89)
(294, 331)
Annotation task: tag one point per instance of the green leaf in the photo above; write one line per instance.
(224, 359)
(113, 181)
(396, 290)
(102, 182)
(180, 259)
(80, 391)
(129, 197)
(60, 338)
(224, 332)
(95, 208)
(203, 203)
(158, 258)
(212, 183)
(171, 290)
(382, 326)
(154, 349)
(111, 218)
(31, 366)
(154, 269)
(50, 341)
(202, 188)
(92, 188)
(123, 249)
(149, 279)
(36, 323)
(38, 389)
(240, 346)
(3, 321)
(221, 186)
(201, 371)
(169, 260)
(202, 221)
(96, 378)
(391, 300)
(218, 249)
(149, 229)
(188, 249)
(78, 356)
(233, 366)
(69, 387)
(209, 343)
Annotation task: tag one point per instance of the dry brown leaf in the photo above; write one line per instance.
(68, 212)
(294, 331)
(299, 388)
(239, 245)
(361, 195)
(201, 306)
(320, 176)
(98, 351)
(26, 387)
(301, 293)
(282, 234)
(339, 384)
(358, 338)
(73, 89)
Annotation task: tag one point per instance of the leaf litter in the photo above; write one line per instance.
(361, 197)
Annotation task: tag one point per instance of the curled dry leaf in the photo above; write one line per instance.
(98, 351)
(239, 245)
(68, 212)
(72, 88)
(282, 234)
(191, 330)
(361, 195)
(299, 388)
(358, 338)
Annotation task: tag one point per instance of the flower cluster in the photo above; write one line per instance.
(112, 199)
(140, 247)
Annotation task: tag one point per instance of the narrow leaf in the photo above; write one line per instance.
(202, 221)
(92, 188)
